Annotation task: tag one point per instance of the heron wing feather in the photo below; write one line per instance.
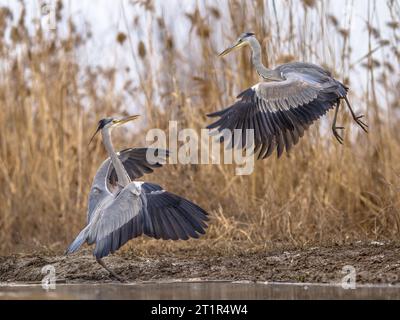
(169, 216)
(146, 208)
(137, 162)
(280, 112)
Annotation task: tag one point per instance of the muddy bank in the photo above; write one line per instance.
(374, 262)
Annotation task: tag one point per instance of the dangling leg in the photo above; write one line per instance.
(357, 119)
(101, 262)
(334, 128)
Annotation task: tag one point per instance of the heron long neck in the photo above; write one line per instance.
(264, 72)
(122, 175)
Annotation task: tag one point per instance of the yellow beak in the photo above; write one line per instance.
(125, 120)
(115, 124)
(232, 48)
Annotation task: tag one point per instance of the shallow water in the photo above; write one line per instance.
(197, 290)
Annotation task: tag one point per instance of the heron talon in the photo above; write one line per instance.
(112, 274)
(362, 124)
(120, 279)
(339, 138)
(337, 135)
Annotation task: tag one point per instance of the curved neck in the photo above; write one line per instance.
(264, 72)
(122, 175)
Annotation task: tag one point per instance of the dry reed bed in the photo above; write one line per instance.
(320, 193)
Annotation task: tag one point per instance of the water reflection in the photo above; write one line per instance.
(197, 290)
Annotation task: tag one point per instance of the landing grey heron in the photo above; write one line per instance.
(284, 105)
(120, 209)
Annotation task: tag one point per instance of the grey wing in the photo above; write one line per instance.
(111, 213)
(280, 112)
(304, 68)
(153, 211)
(170, 217)
(117, 222)
(99, 191)
(139, 161)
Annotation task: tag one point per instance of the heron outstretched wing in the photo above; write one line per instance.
(279, 112)
(145, 208)
(136, 164)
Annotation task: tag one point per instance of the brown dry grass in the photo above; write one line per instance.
(321, 193)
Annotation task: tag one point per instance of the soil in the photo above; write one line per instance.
(374, 262)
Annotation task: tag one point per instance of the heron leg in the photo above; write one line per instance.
(334, 127)
(101, 262)
(356, 118)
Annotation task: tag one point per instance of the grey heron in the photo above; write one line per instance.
(120, 208)
(282, 106)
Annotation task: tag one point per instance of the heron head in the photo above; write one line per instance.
(242, 41)
(110, 123)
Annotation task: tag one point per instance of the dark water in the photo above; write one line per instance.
(197, 290)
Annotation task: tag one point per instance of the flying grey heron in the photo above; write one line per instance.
(120, 208)
(280, 108)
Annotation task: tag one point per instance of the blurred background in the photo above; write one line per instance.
(159, 59)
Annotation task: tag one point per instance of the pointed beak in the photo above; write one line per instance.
(91, 139)
(232, 48)
(115, 123)
(125, 120)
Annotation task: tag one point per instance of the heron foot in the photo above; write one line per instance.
(111, 272)
(362, 124)
(116, 276)
(336, 133)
